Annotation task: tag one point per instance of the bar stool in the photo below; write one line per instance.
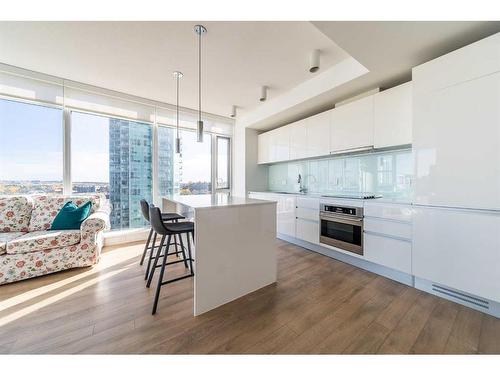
(167, 230)
(165, 217)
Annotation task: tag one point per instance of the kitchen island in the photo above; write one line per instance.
(235, 250)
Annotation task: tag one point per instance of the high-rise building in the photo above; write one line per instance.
(166, 161)
(130, 171)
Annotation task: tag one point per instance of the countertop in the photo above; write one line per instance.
(205, 201)
(405, 201)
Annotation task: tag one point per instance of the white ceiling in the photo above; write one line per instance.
(387, 49)
(138, 57)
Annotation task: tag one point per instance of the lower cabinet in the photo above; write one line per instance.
(286, 215)
(387, 251)
(307, 230)
(458, 248)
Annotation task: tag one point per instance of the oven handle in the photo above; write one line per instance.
(357, 222)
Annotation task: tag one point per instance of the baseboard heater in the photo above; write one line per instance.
(474, 302)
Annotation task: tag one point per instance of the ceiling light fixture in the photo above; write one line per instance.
(177, 76)
(200, 30)
(263, 94)
(314, 61)
(233, 111)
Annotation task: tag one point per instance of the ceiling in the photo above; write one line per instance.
(138, 58)
(238, 58)
(387, 49)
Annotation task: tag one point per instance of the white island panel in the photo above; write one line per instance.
(235, 251)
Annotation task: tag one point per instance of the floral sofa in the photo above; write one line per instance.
(29, 249)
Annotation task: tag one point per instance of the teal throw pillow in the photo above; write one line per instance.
(71, 216)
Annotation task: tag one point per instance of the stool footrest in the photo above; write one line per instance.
(176, 279)
(175, 262)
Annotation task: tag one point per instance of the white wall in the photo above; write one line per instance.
(256, 175)
(247, 174)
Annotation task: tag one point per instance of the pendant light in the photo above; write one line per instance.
(177, 76)
(200, 30)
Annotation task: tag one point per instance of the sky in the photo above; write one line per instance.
(31, 146)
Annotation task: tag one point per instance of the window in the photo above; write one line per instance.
(116, 161)
(223, 167)
(31, 154)
(188, 172)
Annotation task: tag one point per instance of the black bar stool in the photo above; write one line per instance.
(167, 230)
(165, 217)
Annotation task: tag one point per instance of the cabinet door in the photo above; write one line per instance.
(458, 248)
(352, 125)
(389, 252)
(393, 116)
(264, 148)
(286, 215)
(318, 134)
(298, 140)
(456, 143)
(308, 230)
(280, 144)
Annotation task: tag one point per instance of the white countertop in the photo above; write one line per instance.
(404, 201)
(204, 201)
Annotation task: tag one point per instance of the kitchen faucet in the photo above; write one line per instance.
(302, 189)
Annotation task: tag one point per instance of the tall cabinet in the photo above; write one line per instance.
(456, 143)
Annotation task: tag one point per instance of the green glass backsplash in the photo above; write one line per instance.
(388, 174)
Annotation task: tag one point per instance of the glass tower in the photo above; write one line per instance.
(130, 171)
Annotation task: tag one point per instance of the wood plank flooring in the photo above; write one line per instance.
(318, 305)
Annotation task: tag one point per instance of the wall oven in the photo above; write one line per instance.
(342, 227)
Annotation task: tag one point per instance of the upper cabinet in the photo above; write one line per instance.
(280, 144)
(318, 134)
(352, 125)
(392, 117)
(380, 120)
(298, 140)
(264, 148)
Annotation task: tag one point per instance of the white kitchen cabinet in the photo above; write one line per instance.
(459, 249)
(388, 251)
(307, 230)
(387, 228)
(307, 219)
(286, 215)
(274, 145)
(470, 62)
(298, 139)
(388, 235)
(392, 121)
(352, 125)
(280, 144)
(456, 142)
(318, 134)
(264, 146)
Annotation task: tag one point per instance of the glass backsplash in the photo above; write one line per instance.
(388, 174)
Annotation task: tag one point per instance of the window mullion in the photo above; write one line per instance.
(67, 152)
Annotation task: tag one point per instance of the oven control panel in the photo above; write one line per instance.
(343, 210)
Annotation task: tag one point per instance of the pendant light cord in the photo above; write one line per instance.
(177, 108)
(199, 74)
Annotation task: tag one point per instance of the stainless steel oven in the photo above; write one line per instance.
(342, 227)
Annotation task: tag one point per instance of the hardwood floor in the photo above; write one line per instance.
(318, 305)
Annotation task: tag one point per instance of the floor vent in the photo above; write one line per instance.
(461, 296)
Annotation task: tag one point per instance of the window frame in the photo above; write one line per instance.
(216, 154)
(67, 180)
(63, 125)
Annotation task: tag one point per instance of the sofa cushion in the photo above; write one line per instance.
(7, 237)
(71, 216)
(45, 208)
(43, 240)
(15, 213)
